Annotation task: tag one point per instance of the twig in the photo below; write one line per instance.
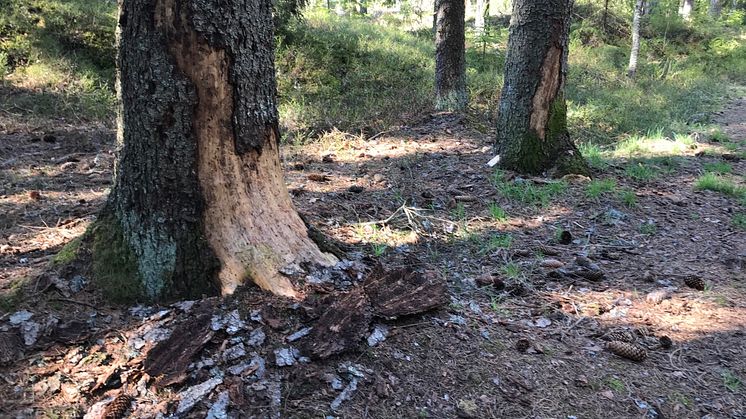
(70, 300)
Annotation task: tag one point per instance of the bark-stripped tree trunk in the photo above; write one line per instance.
(481, 10)
(532, 134)
(199, 204)
(635, 51)
(686, 9)
(450, 55)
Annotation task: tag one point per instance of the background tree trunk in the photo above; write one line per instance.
(714, 9)
(481, 10)
(686, 9)
(635, 51)
(199, 204)
(450, 55)
(532, 122)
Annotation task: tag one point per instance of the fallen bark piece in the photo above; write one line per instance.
(194, 395)
(403, 292)
(169, 359)
(342, 326)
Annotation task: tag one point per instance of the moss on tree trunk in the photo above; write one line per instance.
(199, 205)
(532, 135)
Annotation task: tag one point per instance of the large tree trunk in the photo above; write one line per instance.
(635, 51)
(450, 55)
(532, 134)
(199, 204)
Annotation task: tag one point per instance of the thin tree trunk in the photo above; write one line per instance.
(199, 205)
(532, 135)
(714, 9)
(686, 9)
(479, 17)
(450, 56)
(635, 51)
(605, 16)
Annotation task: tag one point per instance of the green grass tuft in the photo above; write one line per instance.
(714, 182)
(497, 212)
(718, 167)
(598, 187)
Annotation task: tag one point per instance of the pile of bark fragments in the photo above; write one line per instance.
(211, 358)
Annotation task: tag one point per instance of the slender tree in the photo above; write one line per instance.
(532, 135)
(450, 55)
(199, 204)
(686, 9)
(714, 9)
(481, 10)
(635, 51)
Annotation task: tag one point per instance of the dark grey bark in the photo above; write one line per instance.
(450, 55)
(532, 135)
(715, 8)
(198, 133)
(635, 50)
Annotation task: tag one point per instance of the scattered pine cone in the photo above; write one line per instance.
(565, 237)
(620, 335)
(695, 282)
(666, 342)
(118, 407)
(522, 345)
(594, 275)
(546, 250)
(627, 350)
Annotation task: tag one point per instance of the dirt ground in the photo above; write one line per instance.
(531, 343)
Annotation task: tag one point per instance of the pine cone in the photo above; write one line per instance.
(594, 275)
(522, 345)
(666, 342)
(620, 335)
(627, 350)
(695, 282)
(118, 407)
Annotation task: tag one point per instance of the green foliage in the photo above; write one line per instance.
(731, 381)
(527, 192)
(58, 57)
(378, 249)
(713, 182)
(512, 270)
(497, 212)
(648, 228)
(739, 220)
(640, 171)
(718, 167)
(597, 187)
(628, 197)
(349, 73)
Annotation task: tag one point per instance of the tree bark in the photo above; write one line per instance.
(532, 120)
(635, 51)
(199, 204)
(450, 55)
(686, 9)
(714, 9)
(481, 10)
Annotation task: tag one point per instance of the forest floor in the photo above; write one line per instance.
(529, 344)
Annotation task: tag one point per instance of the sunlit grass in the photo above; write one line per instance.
(714, 182)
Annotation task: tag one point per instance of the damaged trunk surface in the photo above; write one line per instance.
(532, 121)
(199, 203)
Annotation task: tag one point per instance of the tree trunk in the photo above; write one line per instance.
(532, 121)
(450, 55)
(714, 9)
(635, 52)
(605, 16)
(199, 204)
(686, 9)
(479, 18)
